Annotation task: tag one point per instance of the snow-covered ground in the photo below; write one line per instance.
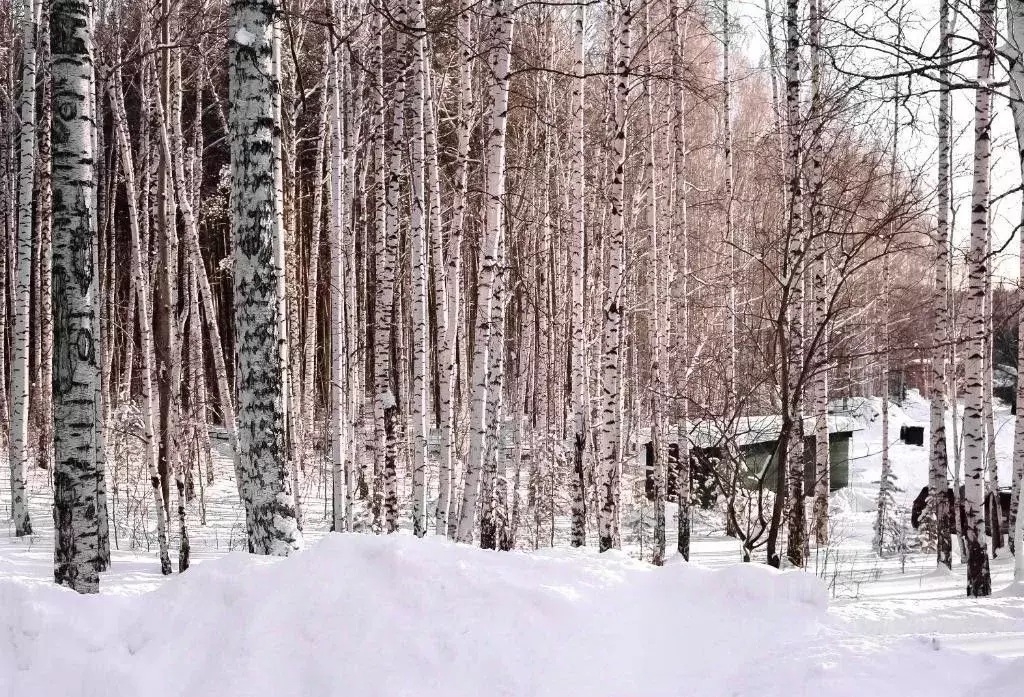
(358, 614)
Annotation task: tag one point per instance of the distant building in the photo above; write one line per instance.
(756, 439)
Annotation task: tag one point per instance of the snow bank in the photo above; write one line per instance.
(394, 616)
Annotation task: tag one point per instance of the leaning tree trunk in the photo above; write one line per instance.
(77, 414)
(979, 582)
(262, 451)
(490, 263)
(18, 444)
(140, 283)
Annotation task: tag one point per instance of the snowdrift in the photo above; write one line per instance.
(395, 616)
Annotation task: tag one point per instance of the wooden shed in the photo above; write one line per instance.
(756, 438)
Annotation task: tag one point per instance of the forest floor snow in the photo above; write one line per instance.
(395, 616)
(359, 614)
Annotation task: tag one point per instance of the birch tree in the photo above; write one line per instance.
(18, 445)
(446, 305)
(270, 512)
(446, 518)
(938, 464)
(1015, 35)
(490, 260)
(338, 342)
(76, 411)
(793, 305)
(577, 352)
(679, 217)
(819, 276)
(418, 271)
(141, 286)
(609, 433)
(979, 582)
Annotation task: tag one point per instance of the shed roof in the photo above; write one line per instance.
(749, 430)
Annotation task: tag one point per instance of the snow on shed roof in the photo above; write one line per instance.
(749, 430)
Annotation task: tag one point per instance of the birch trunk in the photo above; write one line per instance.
(443, 301)
(1015, 32)
(418, 274)
(611, 379)
(679, 216)
(45, 196)
(383, 292)
(18, 445)
(658, 374)
(387, 400)
(270, 511)
(730, 241)
(338, 415)
(140, 282)
(309, 326)
(979, 582)
(462, 133)
(794, 307)
(77, 411)
(819, 243)
(885, 504)
(490, 263)
(578, 535)
(938, 464)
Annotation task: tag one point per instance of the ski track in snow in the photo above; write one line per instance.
(358, 614)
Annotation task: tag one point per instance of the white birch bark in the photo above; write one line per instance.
(730, 174)
(45, 196)
(490, 261)
(418, 274)
(680, 219)
(443, 301)
(819, 261)
(350, 126)
(383, 287)
(18, 444)
(309, 330)
(659, 435)
(454, 275)
(884, 510)
(794, 305)
(938, 463)
(1015, 35)
(77, 411)
(340, 510)
(609, 433)
(577, 352)
(270, 511)
(494, 374)
(387, 400)
(978, 579)
(200, 400)
(140, 283)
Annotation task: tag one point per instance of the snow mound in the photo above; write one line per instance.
(394, 616)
